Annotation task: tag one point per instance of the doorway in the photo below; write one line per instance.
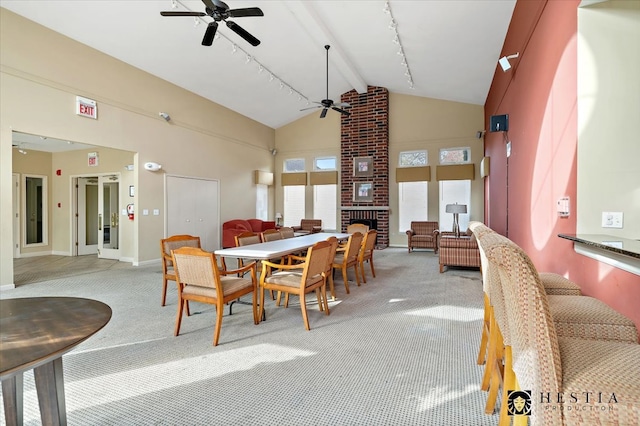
(97, 227)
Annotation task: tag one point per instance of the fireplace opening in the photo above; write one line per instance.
(371, 223)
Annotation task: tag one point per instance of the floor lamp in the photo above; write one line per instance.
(456, 209)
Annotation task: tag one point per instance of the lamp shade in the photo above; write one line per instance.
(278, 215)
(456, 208)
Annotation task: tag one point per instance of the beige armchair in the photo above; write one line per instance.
(423, 235)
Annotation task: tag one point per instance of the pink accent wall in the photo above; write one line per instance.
(540, 95)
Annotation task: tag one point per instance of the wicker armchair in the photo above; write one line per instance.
(423, 235)
(309, 226)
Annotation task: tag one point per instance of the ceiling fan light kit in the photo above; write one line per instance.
(220, 11)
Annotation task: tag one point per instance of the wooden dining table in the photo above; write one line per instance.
(34, 334)
(278, 248)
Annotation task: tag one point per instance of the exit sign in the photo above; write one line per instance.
(86, 107)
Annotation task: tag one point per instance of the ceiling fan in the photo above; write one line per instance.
(327, 103)
(220, 11)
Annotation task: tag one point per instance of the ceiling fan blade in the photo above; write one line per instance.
(341, 111)
(183, 14)
(242, 33)
(210, 33)
(247, 11)
(323, 114)
(311, 107)
(215, 3)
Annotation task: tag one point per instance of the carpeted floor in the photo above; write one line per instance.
(399, 350)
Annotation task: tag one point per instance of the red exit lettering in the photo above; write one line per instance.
(86, 109)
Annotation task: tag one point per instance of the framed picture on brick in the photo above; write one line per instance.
(362, 191)
(363, 166)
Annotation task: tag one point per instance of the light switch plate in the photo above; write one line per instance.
(145, 212)
(156, 212)
(612, 219)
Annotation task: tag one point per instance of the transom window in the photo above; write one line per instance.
(294, 165)
(325, 163)
(412, 159)
(455, 155)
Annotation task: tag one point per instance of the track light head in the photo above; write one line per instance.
(165, 116)
(504, 61)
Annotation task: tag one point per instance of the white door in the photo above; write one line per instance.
(451, 192)
(87, 215)
(193, 209)
(108, 217)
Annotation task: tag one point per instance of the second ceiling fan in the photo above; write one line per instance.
(220, 11)
(327, 103)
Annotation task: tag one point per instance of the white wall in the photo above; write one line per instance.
(609, 116)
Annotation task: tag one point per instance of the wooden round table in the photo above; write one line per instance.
(34, 333)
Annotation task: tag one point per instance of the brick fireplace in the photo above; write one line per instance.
(365, 133)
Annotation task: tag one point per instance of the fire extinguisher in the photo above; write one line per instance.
(130, 211)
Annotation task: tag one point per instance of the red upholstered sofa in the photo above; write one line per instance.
(237, 226)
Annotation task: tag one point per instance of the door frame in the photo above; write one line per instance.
(17, 217)
(73, 219)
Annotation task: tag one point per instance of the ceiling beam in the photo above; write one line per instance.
(318, 31)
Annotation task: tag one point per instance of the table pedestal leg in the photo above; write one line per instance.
(12, 398)
(50, 387)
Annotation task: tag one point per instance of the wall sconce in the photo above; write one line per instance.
(504, 61)
(456, 209)
(278, 218)
(165, 116)
(152, 167)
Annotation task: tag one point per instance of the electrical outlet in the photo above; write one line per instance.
(612, 219)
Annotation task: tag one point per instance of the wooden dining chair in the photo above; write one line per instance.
(202, 281)
(366, 252)
(348, 257)
(287, 232)
(166, 245)
(270, 235)
(300, 279)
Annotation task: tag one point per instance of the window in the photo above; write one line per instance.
(262, 201)
(325, 194)
(412, 193)
(412, 203)
(325, 163)
(294, 195)
(293, 205)
(412, 159)
(294, 165)
(451, 192)
(455, 155)
(324, 205)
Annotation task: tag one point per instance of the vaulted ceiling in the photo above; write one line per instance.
(451, 47)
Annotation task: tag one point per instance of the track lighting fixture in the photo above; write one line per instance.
(165, 116)
(393, 26)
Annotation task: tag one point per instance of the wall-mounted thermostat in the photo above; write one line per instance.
(563, 207)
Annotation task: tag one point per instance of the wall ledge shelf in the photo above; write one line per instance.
(620, 252)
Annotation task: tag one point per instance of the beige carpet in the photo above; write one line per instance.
(399, 350)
